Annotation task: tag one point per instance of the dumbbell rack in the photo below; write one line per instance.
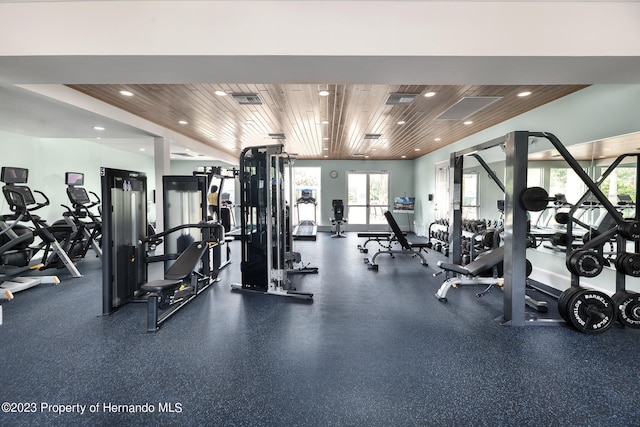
(439, 235)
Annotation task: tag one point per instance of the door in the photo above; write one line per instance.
(368, 198)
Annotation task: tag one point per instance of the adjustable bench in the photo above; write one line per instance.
(181, 284)
(377, 236)
(470, 275)
(408, 248)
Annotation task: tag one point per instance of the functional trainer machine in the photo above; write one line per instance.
(264, 223)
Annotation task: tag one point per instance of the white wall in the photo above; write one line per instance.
(49, 159)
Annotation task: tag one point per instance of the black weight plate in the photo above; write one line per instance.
(562, 217)
(535, 199)
(591, 312)
(629, 264)
(585, 263)
(628, 307)
(529, 268)
(564, 300)
(589, 235)
(630, 230)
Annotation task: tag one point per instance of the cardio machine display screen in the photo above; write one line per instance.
(74, 178)
(10, 175)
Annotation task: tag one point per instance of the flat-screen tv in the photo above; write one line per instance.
(11, 175)
(74, 178)
(404, 203)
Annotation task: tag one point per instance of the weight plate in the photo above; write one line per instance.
(535, 199)
(628, 308)
(585, 263)
(591, 311)
(630, 230)
(628, 264)
(564, 300)
(562, 217)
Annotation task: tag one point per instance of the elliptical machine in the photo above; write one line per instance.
(88, 224)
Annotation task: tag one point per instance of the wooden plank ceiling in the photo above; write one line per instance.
(322, 127)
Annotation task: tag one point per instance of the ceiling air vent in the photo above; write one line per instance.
(247, 98)
(182, 154)
(358, 154)
(466, 107)
(277, 136)
(372, 135)
(401, 98)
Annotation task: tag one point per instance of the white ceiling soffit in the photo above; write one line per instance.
(466, 107)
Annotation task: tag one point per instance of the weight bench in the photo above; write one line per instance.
(470, 275)
(377, 236)
(408, 248)
(181, 284)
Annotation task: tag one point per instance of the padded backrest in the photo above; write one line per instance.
(338, 209)
(186, 262)
(486, 261)
(396, 230)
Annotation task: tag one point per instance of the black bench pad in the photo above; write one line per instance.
(487, 260)
(160, 286)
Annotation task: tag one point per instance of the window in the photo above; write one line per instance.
(368, 197)
(470, 196)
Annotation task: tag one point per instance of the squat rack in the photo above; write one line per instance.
(516, 148)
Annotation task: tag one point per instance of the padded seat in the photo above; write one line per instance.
(161, 286)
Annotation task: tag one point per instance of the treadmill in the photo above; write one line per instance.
(306, 229)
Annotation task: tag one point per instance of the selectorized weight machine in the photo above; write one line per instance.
(190, 257)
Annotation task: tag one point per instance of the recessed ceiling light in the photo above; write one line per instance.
(183, 122)
(220, 93)
(325, 156)
(326, 149)
(325, 122)
(438, 139)
(403, 157)
(142, 149)
(326, 138)
(429, 94)
(323, 93)
(98, 128)
(525, 93)
(373, 149)
(401, 122)
(126, 93)
(366, 157)
(416, 149)
(468, 122)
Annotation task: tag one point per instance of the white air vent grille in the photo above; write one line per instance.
(277, 136)
(372, 135)
(182, 154)
(466, 107)
(401, 98)
(247, 98)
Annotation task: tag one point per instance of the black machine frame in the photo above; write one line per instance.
(265, 223)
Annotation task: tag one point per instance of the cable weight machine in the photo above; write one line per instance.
(265, 224)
